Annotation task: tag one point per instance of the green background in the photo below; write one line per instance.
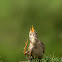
(16, 18)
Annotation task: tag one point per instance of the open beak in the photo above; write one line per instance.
(32, 29)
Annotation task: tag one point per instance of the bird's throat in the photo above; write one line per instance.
(32, 40)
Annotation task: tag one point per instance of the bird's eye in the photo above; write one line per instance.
(30, 34)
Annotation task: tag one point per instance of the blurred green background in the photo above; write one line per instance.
(16, 18)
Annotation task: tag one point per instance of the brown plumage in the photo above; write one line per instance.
(36, 48)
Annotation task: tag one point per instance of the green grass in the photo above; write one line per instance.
(50, 58)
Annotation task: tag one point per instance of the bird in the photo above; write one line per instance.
(36, 47)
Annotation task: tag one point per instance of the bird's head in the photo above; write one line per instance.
(32, 33)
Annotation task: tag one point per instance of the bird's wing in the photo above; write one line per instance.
(43, 47)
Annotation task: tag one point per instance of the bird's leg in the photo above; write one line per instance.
(29, 55)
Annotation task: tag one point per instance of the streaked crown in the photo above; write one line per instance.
(32, 32)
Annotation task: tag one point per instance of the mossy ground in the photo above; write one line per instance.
(50, 58)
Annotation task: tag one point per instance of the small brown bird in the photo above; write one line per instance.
(36, 48)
